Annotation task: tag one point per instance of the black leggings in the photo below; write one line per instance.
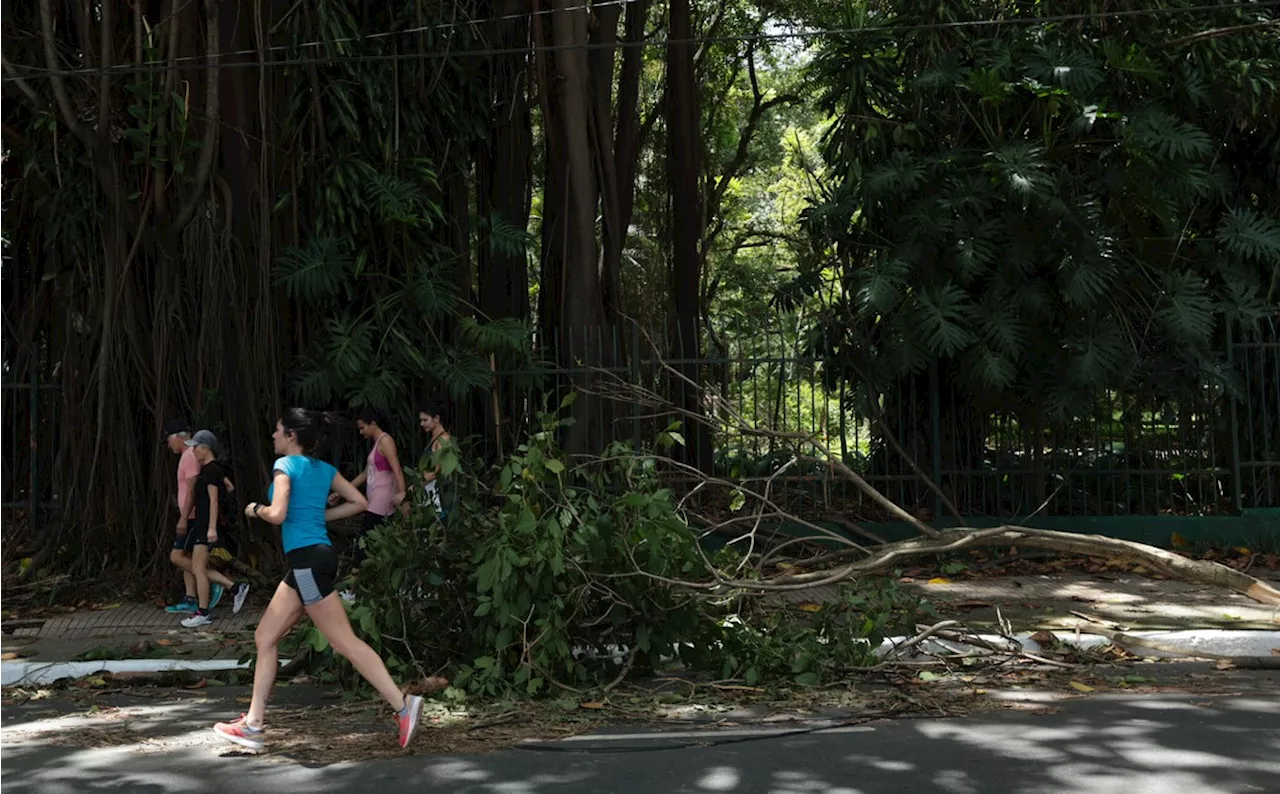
(371, 521)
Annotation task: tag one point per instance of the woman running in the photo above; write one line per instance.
(382, 478)
(431, 420)
(299, 492)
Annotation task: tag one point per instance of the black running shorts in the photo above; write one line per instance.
(313, 571)
(198, 537)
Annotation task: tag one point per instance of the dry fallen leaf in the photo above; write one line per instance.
(166, 641)
(1225, 664)
(1245, 550)
(9, 656)
(244, 700)
(108, 606)
(591, 705)
(809, 606)
(939, 580)
(1079, 687)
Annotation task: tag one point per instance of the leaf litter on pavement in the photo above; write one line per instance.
(347, 730)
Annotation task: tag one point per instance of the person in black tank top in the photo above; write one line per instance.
(202, 532)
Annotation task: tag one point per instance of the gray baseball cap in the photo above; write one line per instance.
(202, 438)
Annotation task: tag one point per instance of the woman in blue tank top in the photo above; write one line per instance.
(299, 496)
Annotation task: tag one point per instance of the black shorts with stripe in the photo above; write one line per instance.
(313, 572)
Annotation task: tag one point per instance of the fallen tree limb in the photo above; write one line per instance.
(1165, 562)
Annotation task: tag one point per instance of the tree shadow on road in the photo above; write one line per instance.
(1131, 743)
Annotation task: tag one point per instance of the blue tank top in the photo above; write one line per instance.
(309, 483)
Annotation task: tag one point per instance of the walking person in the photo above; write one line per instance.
(382, 478)
(176, 433)
(202, 531)
(431, 420)
(298, 495)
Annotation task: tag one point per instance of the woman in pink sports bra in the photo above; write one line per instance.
(382, 478)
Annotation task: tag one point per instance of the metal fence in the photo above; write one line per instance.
(1214, 451)
(30, 414)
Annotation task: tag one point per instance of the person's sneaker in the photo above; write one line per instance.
(241, 733)
(185, 605)
(408, 718)
(197, 620)
(237, 602)
(215, 594)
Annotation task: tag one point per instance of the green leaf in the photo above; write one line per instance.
(316, 271)
(555, 466)
(808, 679)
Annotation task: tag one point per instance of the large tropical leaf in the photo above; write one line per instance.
(318, 270)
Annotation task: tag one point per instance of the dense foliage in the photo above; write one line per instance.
(557, 573)
(1048, 209)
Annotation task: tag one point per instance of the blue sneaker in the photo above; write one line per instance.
(215, 594)
(185, 605)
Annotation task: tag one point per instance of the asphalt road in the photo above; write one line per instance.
(1103, 744)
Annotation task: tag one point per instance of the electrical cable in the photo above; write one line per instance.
(206, 61)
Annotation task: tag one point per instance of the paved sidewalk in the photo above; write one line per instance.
(64, 637)
(1136, 601)
(1048, 601)
(1028, 602)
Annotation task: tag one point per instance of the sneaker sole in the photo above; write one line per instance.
(248, 744)
(415, 714)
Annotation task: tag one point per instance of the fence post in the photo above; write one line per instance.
(1237, 479)
(33, 485)
(935, 410)
(635, 381)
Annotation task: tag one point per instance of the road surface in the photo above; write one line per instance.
(1100, 744)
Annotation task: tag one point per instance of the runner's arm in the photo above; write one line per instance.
(213, 513)
(389, 451)
(356, 502)
(275, 512)
(186, 500)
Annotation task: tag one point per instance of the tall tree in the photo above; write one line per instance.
(683, 125)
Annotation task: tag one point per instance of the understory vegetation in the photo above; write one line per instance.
(551, 573)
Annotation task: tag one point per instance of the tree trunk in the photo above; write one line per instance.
(686, 226)
(503, 168)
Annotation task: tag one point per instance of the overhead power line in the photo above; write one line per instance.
(220, 61)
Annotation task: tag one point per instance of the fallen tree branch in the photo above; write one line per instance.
(1166, 562)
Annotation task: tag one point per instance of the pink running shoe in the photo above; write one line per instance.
(408, 718)
(243, 734)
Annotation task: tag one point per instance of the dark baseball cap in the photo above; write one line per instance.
(202, 438)
(174, 426)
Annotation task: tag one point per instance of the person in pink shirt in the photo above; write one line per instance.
(382, 478)
(176, 432)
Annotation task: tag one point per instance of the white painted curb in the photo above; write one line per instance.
(25, 673)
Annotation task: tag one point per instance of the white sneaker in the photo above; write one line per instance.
(348, 595)
(197, 620)
(242, 592)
